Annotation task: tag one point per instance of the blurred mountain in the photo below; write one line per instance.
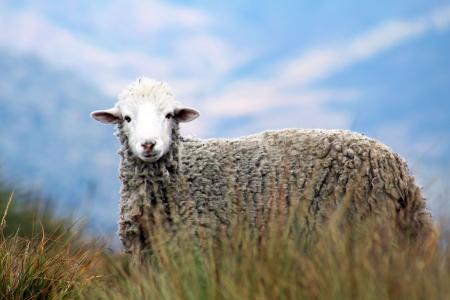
(49, 142)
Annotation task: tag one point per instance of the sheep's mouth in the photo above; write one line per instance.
(150, 157)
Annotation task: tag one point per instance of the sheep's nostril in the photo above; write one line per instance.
(148, 146)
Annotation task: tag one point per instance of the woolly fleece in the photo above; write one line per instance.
(206, 182)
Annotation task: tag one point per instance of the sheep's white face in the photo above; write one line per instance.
(148, 116)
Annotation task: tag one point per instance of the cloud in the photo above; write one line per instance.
(293, 80)
(251, 98)
(144, 17)
(179, 45)
(61, 48)
(441, 18)
(318, 64)
(192, 56)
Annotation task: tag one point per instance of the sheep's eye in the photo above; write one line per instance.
(128, 119)
(169, 116)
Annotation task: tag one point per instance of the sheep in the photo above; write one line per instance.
(205, 182)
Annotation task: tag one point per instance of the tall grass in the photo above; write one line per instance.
(368, 260)
(29, 213)
(51, 261)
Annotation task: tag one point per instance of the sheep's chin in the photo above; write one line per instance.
(150, 159)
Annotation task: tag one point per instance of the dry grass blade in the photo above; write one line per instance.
(5, 213)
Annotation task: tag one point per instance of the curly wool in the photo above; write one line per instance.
(206, 182)
(147, 90)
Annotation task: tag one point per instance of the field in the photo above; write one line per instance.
(44, 257)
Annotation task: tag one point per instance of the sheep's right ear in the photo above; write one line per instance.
(107, 116)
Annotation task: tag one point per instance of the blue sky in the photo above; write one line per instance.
(379, 67)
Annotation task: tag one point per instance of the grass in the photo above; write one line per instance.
(54, 263)
(367, 261)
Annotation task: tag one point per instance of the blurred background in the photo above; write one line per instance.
(377, 67)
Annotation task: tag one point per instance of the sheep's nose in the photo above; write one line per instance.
(148, 146)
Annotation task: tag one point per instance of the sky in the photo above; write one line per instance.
(377, 67)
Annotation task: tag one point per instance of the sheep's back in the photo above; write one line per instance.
(258, 175)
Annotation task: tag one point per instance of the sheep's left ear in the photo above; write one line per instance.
(185, 114)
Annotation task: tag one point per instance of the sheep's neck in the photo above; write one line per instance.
(154, 182)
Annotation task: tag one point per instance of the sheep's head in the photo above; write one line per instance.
(148, 111)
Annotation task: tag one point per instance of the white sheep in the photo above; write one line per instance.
(206, 182)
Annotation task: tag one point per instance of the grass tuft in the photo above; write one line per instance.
(53, 264)
(367, 260)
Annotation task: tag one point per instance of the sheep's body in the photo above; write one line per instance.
(205, 182)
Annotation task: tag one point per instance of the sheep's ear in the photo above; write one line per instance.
(107, 116)
(185, 114)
